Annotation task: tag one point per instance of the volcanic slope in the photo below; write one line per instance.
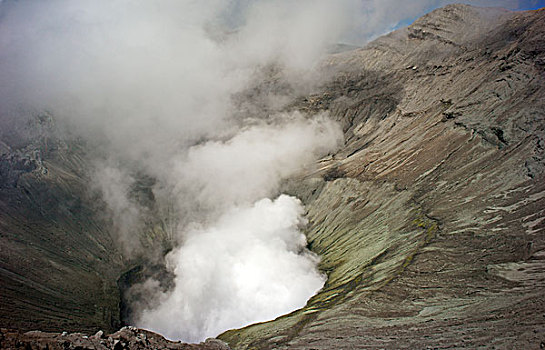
(58, 263)
(430, 221)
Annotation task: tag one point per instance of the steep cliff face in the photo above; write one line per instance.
(430, 221)
(58, 263)
(62, 264)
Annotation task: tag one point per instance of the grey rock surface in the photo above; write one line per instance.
(125, 338)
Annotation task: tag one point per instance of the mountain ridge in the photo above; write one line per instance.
(439, 137)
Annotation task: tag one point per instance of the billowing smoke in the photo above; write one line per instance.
(193, 97)
(251, 164)
(251, 265)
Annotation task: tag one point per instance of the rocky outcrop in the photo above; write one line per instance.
(430, 221)
(125, 338)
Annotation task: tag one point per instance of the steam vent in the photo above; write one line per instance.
(186, 183)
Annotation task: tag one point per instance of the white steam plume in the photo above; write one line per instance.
(250, 266)
(114, 184)
(251, 165)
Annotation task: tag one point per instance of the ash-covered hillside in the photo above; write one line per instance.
(429, 220)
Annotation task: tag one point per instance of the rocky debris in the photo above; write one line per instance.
(14, 164)
(125, 338)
